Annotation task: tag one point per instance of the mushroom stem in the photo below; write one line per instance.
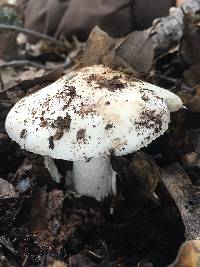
(94, 178)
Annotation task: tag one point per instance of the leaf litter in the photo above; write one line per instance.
(44, 223)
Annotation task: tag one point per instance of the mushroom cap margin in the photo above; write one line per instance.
(90, 113)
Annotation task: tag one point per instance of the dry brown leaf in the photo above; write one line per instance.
(6, 188)
(31, 73)
(9, 77)
(99, 48)
(145, 168)
(56, 263)
(19, 85)
(12, 76)
(191, 99)
(136, 51)
(188, 255)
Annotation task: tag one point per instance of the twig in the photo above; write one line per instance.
(22, 63)
(25, 261)
(183, 192)
(36, 34)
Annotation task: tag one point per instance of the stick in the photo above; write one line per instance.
(182, 191)
(22, 63)
(35, 34)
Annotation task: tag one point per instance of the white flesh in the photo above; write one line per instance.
(93, 178)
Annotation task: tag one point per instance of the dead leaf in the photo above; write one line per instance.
(191, 98)
(18, 90)
(9, 77)
(56, 263)
(8, 47)
(6, 188)
(192, 75)
(188, 255)
(136, 51)
(145, 168)
(99, 48)
(30, 73)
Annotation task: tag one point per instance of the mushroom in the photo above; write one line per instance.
(87, 116)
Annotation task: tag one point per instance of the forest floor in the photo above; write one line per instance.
(43, 223)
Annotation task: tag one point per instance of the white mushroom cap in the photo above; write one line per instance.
(92, 112)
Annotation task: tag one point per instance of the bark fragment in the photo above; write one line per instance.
(187, 198)
(168, 30)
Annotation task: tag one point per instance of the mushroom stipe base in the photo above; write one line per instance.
(94, 178)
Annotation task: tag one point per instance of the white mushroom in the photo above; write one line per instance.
(88, 115)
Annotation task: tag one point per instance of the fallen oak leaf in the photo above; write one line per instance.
(99, 48)
(136, 51)
(49, 77)
(25, 85)
(188, 255)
